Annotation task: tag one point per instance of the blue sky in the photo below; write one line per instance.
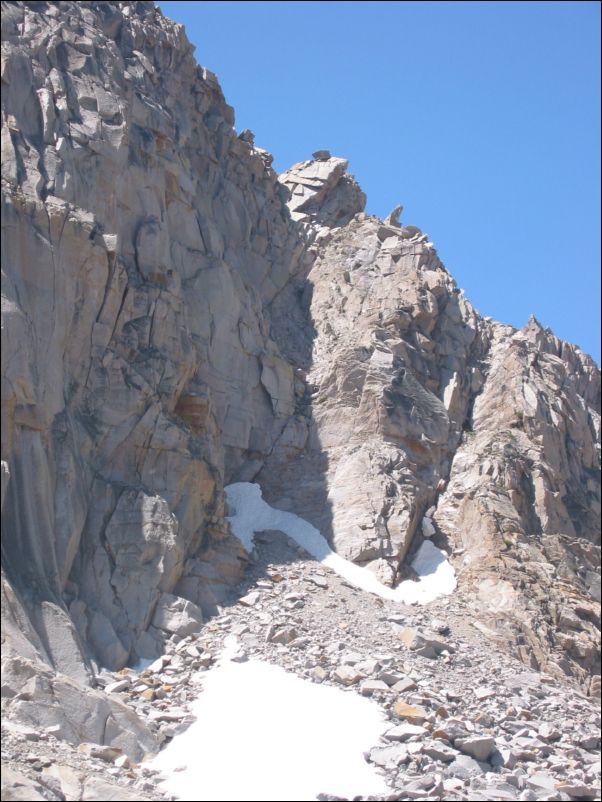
(481, 118)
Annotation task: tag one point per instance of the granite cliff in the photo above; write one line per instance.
(176, 317)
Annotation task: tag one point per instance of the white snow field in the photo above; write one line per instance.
(262, 733)
(251, 514)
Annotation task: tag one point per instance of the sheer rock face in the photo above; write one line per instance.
(395, 365)
(176, 316)
(142, 243)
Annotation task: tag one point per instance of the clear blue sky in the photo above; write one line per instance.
(481, 118)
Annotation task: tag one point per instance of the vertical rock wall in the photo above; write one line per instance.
(142, 243)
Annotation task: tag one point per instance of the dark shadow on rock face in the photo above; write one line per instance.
(272, 550)
(297, 480)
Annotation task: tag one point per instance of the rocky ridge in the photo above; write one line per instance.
(177, 317)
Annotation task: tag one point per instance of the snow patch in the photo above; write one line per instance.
(262, 733)
(251, 514)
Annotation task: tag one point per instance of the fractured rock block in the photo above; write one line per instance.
(176, 615)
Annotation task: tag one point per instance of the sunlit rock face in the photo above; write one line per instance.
(429, 420)
(177, 317)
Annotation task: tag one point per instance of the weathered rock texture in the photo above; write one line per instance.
(142, 242)
(523, 500)
(430, 420)
(322, 192)
(176, 317)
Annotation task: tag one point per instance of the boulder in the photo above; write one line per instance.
(177, 616)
